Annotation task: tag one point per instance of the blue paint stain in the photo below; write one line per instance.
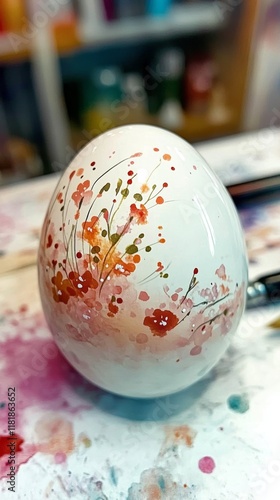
(2, 405)
(113, 476)
(161, 483)
(238, 403)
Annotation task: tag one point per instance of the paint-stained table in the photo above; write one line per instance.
(218, 440)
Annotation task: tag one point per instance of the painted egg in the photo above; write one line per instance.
(142, 263)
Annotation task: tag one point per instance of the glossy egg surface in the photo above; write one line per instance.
(142, 264)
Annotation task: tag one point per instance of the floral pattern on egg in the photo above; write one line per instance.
(106, 278)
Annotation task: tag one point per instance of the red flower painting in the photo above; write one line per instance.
(62, 289)
(124, 268)
(139, 214)
(161, 322)
(83, 282)
(90, 230)
(82, 193)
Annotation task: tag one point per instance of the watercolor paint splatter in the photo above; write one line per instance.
(180, 435)
(41, 376)
(156, 484)
(4, 444)
(55, 436)
(239, 403)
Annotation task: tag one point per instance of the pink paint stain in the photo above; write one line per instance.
(55, 436)
(60, 458)
(40, 372)
(8, 229)
(143, 296)
(221, 272)
(42, 378)
(206, 465)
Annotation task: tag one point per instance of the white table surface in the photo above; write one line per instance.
(76, 441)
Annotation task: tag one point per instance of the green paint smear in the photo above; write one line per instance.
(238, 403)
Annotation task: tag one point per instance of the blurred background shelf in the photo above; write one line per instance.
(185, 19)
(90, 65)
(15, 47)
(74, 35)
(195, 128)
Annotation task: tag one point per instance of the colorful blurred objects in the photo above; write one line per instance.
(70, 70)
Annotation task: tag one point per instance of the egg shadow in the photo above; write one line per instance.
(150, 409)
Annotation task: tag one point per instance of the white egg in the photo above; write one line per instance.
(142, 263)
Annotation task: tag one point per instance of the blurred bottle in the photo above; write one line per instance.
(129, 8)
(158, 8)
(219, 110)
(91, 13)
(109, 8)
(171, 65)
(2, 24)
(135, 98)
(21, 137)
(19, 159)
(17, 93)
(6, 164)
(102, 93)
(13, 15)
(199, 79)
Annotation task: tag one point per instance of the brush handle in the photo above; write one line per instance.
(265, 290)
(272, 285)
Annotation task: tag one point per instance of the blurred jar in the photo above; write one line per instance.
(199, 79)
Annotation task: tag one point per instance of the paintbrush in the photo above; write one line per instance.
(275, 324)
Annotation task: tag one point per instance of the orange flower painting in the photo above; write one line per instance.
(107, 254)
